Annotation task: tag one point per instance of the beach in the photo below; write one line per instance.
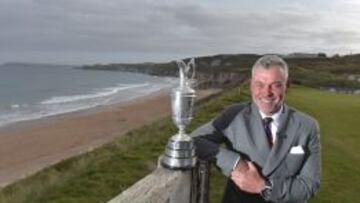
(27, 147)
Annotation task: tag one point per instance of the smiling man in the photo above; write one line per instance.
(271, 151)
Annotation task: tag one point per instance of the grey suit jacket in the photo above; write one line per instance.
(295, 176)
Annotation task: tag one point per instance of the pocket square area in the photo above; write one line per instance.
(297, 150)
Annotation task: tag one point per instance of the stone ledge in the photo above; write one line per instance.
(161, 186)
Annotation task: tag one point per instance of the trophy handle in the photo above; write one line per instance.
(191, 66)
(182, 72)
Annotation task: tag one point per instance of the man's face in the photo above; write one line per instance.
(268, 88)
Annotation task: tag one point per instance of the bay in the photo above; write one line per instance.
(32, 91)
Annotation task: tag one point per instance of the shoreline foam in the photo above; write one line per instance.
(58, 105)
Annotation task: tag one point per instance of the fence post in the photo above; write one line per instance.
(200, 182)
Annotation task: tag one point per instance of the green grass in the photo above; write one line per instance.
(102, 174)
(339, 118)
(96, 176)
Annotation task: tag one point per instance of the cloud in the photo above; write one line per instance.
(176, 28)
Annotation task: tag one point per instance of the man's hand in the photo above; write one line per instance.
(247, 178)
(242, 166)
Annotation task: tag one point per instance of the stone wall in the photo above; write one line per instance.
(161, 186)
(170, 186)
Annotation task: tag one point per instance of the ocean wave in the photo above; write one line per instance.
(102, 93)
(18, 106)
(65, 104)
(28, 114)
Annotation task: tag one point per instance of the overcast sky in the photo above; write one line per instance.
(105, 31)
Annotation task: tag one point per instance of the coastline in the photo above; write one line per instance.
(29, 146)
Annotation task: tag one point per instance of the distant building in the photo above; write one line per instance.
(354, 77)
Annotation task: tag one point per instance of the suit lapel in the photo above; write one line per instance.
(256, 135)
(285, 136)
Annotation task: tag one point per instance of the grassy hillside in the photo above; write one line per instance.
(233, 69)
(100, 175)
(339, 118)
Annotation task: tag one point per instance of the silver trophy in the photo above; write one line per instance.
(179, 152)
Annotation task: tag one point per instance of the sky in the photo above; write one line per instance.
(129, 31)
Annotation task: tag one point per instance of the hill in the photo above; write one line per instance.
(342, 73)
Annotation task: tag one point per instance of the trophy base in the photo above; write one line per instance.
(179, 154)
(178, 164)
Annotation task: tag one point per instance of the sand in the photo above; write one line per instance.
(30, 146)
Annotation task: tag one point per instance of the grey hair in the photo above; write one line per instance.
(268, 61)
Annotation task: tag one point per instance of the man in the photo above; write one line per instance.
(270, 152)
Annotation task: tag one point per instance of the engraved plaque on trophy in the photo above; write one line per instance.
(179, 152)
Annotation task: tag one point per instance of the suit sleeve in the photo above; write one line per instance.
(209, 140)
(304, 185)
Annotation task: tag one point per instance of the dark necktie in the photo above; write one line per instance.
(266, 122)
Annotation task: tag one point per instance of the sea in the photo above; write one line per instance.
(33, 91)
